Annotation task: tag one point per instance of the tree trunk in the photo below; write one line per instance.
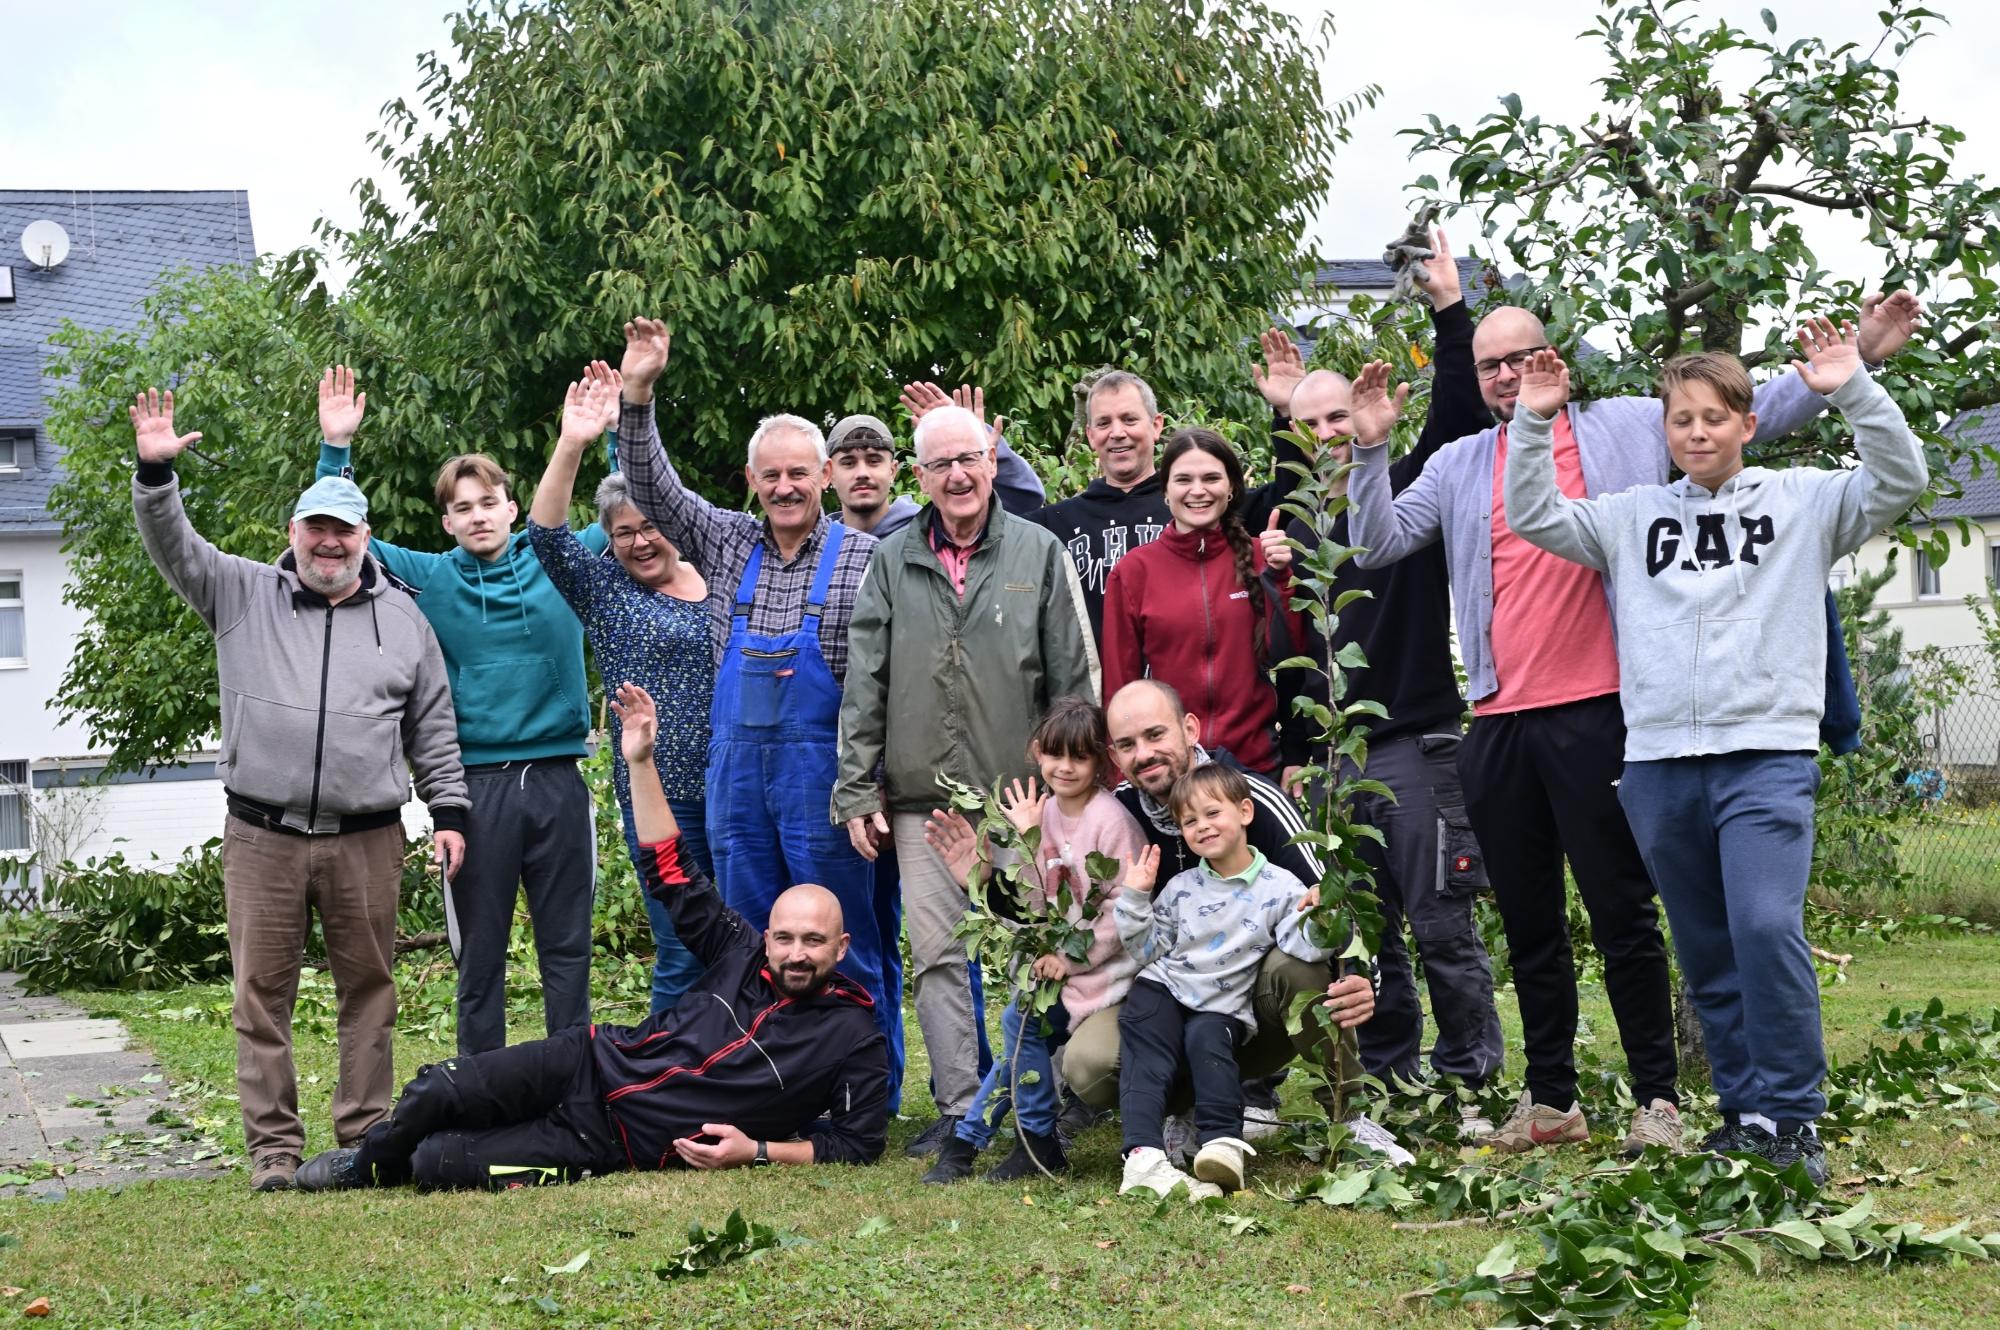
(1688, 1043)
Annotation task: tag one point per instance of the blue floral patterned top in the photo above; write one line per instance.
(645, 637)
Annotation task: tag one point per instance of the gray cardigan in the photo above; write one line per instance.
(1622, 442)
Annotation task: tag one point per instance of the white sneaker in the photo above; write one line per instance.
(1261, 1123)
(1147, 1169)
(1368, 1132)
(1473, 1124)
(1222, 1162)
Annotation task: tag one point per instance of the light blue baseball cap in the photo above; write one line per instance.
(333, 496)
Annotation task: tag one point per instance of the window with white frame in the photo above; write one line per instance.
(1927, 576)
(13, 621)
(1993, 563)
(14, 796)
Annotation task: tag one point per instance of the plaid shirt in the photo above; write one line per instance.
(718, 541)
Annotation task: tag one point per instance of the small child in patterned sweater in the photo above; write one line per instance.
(1200, 941)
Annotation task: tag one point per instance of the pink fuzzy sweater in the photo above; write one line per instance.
(1104, 827)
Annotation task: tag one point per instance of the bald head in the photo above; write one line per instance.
(1152, 736)
(1321, 406)
(1507, 331)
(805, 940)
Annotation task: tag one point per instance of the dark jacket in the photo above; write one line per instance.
(736, 1050)
(1276, 820)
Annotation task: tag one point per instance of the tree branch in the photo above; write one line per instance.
(1755, 153)
(1688, 297)
(1857, 202)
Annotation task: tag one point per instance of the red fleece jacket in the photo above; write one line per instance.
(1173, 610)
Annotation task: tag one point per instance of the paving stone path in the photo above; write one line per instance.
(78, 1108)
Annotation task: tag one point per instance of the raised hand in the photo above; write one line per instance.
(1281, 371)
(647, 343)
(1832, 355)
(1373, 411)
(947, 832)
(1272, 540)
(1439, 274)
(153, 426)
(1544, 383)
(340, 407)
(921, 398)
(1142, 870)
(638, 722)
(1887, 322)
(1023, 806)
(597, 371)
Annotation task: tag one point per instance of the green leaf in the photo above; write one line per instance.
(871, 1226)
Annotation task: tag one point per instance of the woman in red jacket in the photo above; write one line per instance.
(1194, 610)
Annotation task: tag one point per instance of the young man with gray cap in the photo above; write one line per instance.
(863, 457)
(331, 681)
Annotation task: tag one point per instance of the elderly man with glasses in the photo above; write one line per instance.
(973, 621)
(781, 592)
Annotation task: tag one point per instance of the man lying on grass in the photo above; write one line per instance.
(737, 1073)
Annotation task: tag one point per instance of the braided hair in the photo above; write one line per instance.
(1241, 544)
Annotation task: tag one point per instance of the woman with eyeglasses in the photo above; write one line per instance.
(645, 613)
(1194, 609)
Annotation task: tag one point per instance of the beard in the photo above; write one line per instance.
(802, 981)
(329, 584)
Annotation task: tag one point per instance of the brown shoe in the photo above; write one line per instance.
(1657, 1123)
(1531, 1126)
(273, 1171)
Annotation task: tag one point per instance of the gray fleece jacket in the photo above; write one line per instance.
(1622, 442)
(1202, 937)
(326, 709)
(1720, 597)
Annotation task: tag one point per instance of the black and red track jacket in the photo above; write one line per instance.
(735, 1049)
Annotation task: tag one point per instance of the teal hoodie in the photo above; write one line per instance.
(513, 649)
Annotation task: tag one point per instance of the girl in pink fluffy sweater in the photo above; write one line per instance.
(1077, 817)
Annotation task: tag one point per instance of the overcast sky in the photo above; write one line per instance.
(277, 98)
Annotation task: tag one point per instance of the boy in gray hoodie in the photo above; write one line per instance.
(1718, 581)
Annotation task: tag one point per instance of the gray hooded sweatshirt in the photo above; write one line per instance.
(1719, 597)
(326, 709)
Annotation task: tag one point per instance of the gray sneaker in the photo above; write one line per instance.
(1657, 1123)
(329, 1170)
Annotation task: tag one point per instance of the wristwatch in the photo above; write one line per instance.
(763, 1158)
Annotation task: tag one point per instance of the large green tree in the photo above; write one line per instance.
(824, 199)
(1683, 214)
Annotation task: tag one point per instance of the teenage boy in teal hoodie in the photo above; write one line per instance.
(1719, 581)
(513, 651)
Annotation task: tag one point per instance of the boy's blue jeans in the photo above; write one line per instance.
(1035, 1102)
(675, 968)
(1728, 839)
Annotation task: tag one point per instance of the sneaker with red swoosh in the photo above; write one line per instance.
(1531, 1126)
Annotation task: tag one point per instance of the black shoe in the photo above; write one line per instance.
(954, 1161)
(1077, 1116)
(932, 1138)
(1801, 1146)
(329, 1170)
(1737, 1138)
(1032, 1154)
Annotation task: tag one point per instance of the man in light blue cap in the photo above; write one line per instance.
(333, 692)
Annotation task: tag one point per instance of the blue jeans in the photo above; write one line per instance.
(674, 967)
(1728, 839)
(1034, 1096)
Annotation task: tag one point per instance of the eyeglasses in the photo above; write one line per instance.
(943, 465)
(625, 535)
(1487, 369)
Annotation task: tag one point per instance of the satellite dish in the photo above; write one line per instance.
(45, 244)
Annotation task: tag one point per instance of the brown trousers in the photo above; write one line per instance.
(1090, 1058)
(270, 882)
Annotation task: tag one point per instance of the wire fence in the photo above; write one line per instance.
(1947, 810)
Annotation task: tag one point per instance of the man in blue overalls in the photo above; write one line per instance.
(780, 592)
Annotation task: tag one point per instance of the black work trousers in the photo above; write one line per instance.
(528, 1115)
(1540, 786)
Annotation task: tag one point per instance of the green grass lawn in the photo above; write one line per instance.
(878, 1249)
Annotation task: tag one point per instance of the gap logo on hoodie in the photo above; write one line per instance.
(1711, 548)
